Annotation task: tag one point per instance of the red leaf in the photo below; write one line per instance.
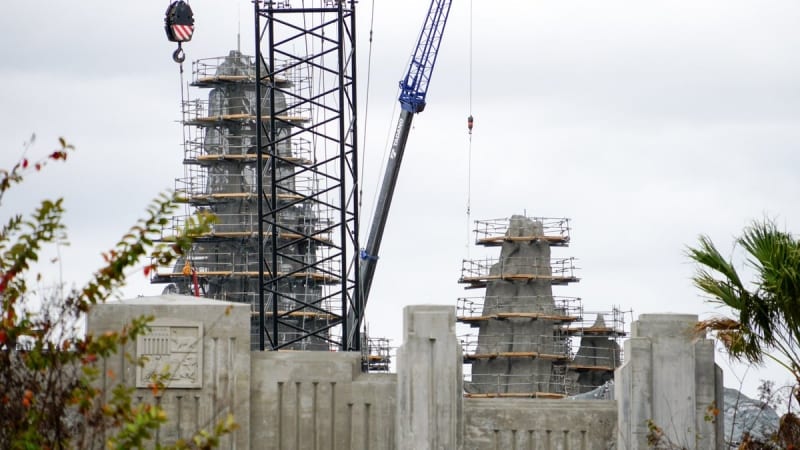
(25, 163)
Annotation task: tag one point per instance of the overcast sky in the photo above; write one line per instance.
(646, 123)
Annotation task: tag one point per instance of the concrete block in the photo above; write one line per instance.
(669, 379)
(320, 400)
(539, 424)
(209, 377)
(429, 381)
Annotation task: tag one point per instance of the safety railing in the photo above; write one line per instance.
(203, 185)
(233, 69)
(612, 323)
(596, 358)
(556, 270)
(247, 264)
(242, 108)
(377, 355)
(213, 145)
(475, 307)
(496, 231)
(489, 385)
(246, 225)
(506, 346)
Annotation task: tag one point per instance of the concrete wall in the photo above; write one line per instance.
(210, 376)
(670, 380)
(538, 424)
(322, 400)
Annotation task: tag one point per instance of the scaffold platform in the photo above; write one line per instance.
(528, 355)
(299, 315)
(611, 324)
(474, 347)
(247, 158)
(244, 226)
(205, 199)
(584, 368)
(477, 273)
(378, 355)
(165, 277)
(472, 310)
(211, 80)
(543, 395)
(207, 121)
(206, 73)
(494, 232)
(505, 316)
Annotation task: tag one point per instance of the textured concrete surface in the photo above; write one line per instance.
(518, 375)
(322, 400)
(429, 382)
(539, 424)
(225, 364)
(669, 378)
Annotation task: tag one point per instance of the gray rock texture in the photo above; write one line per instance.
(743, 414)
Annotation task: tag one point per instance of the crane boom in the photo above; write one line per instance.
(413, 90)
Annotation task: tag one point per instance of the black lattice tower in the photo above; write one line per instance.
(315, 46)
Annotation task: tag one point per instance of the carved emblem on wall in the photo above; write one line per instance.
(173, 350)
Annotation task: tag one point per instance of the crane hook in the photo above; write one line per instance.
(469, 123)
(179, 26)
(178, 55)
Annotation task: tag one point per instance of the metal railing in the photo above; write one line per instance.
(502, 267)
(474, 344)
(217, 144)
(558, 228)
(480, 305)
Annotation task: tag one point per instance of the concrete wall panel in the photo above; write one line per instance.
(539, 424)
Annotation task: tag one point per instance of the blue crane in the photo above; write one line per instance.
(413, 90)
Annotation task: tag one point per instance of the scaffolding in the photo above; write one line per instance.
(503, 346)
(478, 272)
(494, 232)
(522, 341)
(473, 310)
(301, 252)
(377, 355)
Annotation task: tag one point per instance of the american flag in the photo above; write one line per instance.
(182, 33)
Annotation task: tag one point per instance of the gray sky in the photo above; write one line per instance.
(646, 123)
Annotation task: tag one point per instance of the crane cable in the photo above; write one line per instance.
(366, 114)
(469, 128)
(363, 165)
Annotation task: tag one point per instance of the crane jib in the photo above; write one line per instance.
(413, 89)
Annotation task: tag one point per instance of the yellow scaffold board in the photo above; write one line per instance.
(579, 367)
(472, 356)
(301, 314)
(247, 157)
(595, 331)
(480, 281)
(235, 79)
(230, 273)
(241, 234)
(552, 395)
(532, 316)
(498, 240)
(242, 117)
(233, 195)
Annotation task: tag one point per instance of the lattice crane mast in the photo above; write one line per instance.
(413, 90)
